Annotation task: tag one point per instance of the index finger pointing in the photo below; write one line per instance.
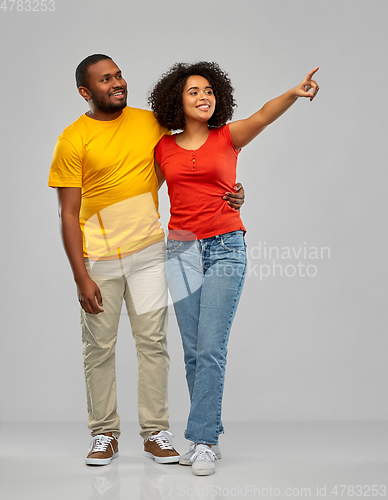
(312, 73)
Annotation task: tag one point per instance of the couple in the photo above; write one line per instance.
(107, 178)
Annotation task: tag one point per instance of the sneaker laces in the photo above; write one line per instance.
(163, 440)
(100, 443)
(203, 452)
(192, 446)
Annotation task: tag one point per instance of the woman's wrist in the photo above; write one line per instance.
(294, 93)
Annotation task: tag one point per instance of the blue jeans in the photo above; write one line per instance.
(205, 279)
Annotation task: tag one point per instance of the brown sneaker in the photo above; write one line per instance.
(102, 450)
(159, 447)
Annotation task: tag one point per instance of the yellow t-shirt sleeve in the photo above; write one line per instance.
(66, 167)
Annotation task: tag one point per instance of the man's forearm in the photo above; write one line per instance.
(73, 244)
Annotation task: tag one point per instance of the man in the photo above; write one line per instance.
(103, 170)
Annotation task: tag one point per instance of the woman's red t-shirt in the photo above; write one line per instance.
(197, 181)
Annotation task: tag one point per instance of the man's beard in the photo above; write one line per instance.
(109, 107)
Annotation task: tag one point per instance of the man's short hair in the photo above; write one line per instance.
(82, 73)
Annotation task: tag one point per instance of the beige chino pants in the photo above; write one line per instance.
(139, 279)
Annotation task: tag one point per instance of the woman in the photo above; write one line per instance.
(206, 252)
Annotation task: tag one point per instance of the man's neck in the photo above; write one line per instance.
(104, 117)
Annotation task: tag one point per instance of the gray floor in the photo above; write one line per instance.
(266, 459)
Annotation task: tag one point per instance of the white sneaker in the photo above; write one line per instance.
(203, 460)
(185, 459)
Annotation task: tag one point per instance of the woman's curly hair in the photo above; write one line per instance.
(165, 98)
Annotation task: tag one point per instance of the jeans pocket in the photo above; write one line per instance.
(173, 246)
(234, 242)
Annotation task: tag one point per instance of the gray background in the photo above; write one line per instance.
(301, 348)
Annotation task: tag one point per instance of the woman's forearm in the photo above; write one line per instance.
(244, 131)
(273, 109)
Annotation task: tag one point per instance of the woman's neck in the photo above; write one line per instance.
(193, 136)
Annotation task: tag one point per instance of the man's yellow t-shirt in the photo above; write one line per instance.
(113, 162)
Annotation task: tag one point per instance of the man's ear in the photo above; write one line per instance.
(84, 92)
